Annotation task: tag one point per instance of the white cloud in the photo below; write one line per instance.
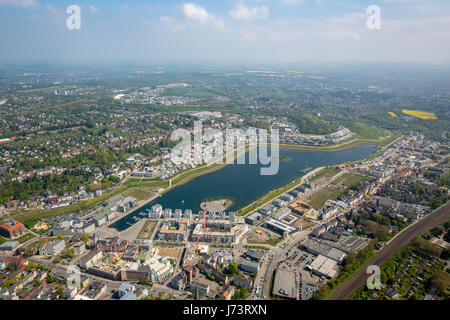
(195, 12)
(201, 15)
(242, 12)
(19, 3)
(94, 10)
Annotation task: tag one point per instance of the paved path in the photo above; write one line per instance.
(346, 290)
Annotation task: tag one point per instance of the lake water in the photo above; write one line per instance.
(243, 184)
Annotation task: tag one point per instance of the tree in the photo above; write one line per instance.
(233, 268)
(426, 247)
(441, 280)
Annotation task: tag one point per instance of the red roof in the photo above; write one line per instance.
(17, 225)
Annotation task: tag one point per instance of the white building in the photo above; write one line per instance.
(53, 248)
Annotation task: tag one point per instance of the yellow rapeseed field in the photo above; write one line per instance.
(420, 114)
(393, 114)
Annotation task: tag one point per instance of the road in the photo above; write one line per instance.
(346, 290)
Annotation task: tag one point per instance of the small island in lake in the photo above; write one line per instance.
(216, 205)
(284, 158)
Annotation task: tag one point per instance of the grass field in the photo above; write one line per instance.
(318, 199)
(420, 114)
(138, 194)
(326, 173)
(147, 230)
(349, 179)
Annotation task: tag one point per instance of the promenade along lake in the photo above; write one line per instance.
(243, 184)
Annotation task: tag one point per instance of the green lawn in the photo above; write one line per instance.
(138, 194)
(319, 198)
(349, 179)
(327, 172)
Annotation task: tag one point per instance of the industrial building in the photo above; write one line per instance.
(319, 248)
(323, 266)
(279, 227)
(285, 284)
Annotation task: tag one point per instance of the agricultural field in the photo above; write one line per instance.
(394, 115)
(420, 114)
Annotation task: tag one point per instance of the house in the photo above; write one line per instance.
(227, 294)
(179, 282)
(392, 293)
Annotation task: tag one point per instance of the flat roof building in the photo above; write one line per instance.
(319, 248)
(285, 284)
(279, 227)
(323, 266)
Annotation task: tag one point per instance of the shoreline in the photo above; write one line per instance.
(215, 167)
(221, 166)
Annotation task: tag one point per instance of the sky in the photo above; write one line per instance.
(224, 31)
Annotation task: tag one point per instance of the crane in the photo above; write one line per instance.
(200, 234)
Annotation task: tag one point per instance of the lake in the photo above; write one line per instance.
(243, 184)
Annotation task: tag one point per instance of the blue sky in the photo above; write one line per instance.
(225, 31)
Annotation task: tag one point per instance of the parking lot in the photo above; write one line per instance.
(297, 260)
